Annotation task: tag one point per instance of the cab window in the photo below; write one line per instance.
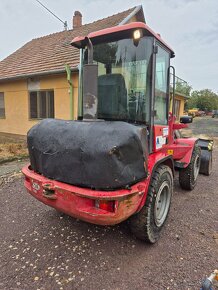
(161, 87)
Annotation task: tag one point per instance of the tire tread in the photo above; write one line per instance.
(141, 223)
(186, 174)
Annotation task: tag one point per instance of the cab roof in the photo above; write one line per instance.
(115, 32)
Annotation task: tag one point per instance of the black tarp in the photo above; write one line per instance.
(96, 154)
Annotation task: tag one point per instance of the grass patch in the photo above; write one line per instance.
(9, 150)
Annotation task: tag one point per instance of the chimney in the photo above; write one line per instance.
(77, 19)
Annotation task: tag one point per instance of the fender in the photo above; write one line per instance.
(181, 151)
(154, 160)
(186, 147)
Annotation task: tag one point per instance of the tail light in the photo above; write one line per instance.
(107, 205)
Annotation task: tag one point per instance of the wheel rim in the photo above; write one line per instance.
(196, 167)
(162, 204)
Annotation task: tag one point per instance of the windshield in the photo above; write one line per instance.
(124, 80)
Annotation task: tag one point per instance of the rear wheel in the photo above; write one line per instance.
(188, 176)
(206, 162)
(147, 224)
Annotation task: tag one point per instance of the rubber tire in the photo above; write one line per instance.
(206, 162)
(186, 175)
(143, 224)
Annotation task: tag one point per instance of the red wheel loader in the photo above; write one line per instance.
(117, 161)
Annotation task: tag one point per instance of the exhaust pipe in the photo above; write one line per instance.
(90, 85)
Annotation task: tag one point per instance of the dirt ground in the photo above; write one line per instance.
(41, 248)
(11, 138)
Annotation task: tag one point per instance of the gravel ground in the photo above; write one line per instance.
(205, 125)
(11, 170)
(12, 167)
(43, 249)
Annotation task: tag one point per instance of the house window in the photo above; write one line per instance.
(2, 106)
(41, 104)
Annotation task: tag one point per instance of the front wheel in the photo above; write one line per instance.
(188, 176)
(147, 224)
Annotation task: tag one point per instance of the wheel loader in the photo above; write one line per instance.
(117, 161)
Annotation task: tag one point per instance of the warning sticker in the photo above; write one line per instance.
(160, 141)
(165, 131)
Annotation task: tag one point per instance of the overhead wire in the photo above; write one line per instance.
(64, 22)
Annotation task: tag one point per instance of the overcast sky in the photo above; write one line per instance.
(190, 27)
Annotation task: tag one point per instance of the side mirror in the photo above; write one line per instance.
(186, 119)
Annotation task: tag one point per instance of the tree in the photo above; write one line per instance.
(183, 88)
(204, 100)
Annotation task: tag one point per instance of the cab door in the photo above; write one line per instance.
(161, 98)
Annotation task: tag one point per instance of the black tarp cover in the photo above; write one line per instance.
(94, 154)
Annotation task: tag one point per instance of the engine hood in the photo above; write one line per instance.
(97, 154)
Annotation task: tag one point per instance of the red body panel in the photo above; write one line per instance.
(80, 202)
(180, 149)
(161, 134)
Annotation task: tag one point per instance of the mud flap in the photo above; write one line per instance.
(206, 156)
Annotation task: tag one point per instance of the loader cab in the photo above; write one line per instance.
(125, 76)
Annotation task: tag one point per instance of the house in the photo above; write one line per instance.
(41, 79)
